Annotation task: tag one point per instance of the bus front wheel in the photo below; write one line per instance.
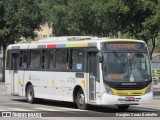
(81, 100)
(30, 94)
(123, 107)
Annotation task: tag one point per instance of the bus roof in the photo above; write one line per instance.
(127, 40)
(68, 42)
(66, 39)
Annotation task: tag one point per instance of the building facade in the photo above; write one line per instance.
(45, 31)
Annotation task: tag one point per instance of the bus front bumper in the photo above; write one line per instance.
(107, 99)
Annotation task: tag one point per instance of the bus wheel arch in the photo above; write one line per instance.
(79, 98)
(29, 83)
(75, 92)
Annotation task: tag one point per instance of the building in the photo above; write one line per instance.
(45, 31)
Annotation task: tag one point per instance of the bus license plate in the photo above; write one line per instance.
(129, 99)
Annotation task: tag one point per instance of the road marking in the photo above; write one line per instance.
(142, 109)
(47, 109)
(3, 110)
(11, 103)
(147, 105)
(70, 109)
(18, 109)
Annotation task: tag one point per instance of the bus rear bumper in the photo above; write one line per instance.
(107, 99)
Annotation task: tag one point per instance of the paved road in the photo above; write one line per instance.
(66, 110)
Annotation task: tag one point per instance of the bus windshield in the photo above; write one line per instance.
(126, 66)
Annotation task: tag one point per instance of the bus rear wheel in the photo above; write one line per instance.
(30, 94)
(81, 100)
(123, 107)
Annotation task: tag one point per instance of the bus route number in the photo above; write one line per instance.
(71, 80)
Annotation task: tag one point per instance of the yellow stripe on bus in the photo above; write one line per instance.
(84, 83)
(52, 83)
(129, 92)
(19, 82)
(117, 40)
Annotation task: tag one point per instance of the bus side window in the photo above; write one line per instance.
(8, 63)
(61, 59)
(31, 60)
(20, 60)
(70, 59)
(37, 60)
(23, 59)
(78, 60)
(48, 59)
(51, 59)
(43, 54)
(34, 63)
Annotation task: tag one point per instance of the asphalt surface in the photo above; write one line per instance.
(66, 110)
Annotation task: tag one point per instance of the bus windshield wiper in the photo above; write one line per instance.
(116, 54)
(135, 54)
(119, 57)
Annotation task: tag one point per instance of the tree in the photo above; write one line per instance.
(138, 19)
(144, 20)
(18, 18)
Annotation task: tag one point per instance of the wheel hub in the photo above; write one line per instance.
(81, 99)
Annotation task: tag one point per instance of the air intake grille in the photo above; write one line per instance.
(128, 87)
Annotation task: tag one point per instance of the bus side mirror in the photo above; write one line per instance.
(100, 58)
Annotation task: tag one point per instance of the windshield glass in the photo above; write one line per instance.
(126, 67)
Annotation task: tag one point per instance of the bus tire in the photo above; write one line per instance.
(81, 100)
(123, 107)
(30, 94)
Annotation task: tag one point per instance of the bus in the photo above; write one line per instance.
(86, 70)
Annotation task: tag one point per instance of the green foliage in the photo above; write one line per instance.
(102, 17)
(138, 19)
(18, 18)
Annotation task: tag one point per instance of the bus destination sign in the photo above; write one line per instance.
(124, 46)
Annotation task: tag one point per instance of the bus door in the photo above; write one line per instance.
(92, 68)
(14, 72)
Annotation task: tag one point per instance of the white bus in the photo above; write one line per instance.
(85, 70)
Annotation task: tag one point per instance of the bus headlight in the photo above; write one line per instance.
(149, 88)
(108, 90)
